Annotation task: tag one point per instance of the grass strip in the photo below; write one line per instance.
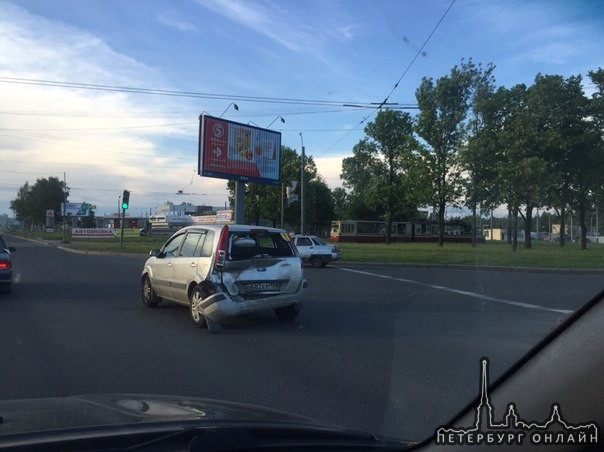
(548, 255)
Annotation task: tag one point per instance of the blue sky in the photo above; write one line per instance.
(341, 51)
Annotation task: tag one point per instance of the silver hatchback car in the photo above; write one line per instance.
(221, 271)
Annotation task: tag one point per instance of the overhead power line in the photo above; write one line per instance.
(191, 94)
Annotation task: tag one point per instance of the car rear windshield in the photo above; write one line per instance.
(250, 244)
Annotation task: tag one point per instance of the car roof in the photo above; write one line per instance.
(232, 227)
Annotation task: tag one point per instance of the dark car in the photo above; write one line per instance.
(6, 266)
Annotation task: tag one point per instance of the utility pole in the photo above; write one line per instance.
(282, 202)
(64, 207)
(302, 189)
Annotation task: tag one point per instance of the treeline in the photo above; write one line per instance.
(263, 202)
(33, 201)
(476, 144)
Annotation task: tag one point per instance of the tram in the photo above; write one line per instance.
(401, 231)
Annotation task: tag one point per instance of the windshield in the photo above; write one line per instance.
(318, 241)
(450, 153)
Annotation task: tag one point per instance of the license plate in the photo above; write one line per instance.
(262, 287)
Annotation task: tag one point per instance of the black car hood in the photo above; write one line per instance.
(121, 421)
(105, 410)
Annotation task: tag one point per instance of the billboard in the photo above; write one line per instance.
(76, 209)
(235, 151)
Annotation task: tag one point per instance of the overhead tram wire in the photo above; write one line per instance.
(418, 53)
(385, 101)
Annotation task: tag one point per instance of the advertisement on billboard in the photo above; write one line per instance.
(234, 151)
(76, 209)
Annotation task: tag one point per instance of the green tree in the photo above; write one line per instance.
(20, 204)
(570, 145)
(358, 175)
(263, 202)
(441, 123)
(341, 204)
(525, 144)
(476, 156)
(88, 221)
(319, 206)
(379, 170)
(31, 202)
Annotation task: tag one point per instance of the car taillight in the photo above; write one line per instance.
(221, 251)
(5, 264)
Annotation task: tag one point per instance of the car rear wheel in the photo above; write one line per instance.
(288, 313)
(196, 310)
(150, 298)
(316, 261)
(199, 319)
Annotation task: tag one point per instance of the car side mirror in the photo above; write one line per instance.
(155, 252)
(12, 249)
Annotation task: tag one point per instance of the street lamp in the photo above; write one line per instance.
(228, 106)
(272, 122)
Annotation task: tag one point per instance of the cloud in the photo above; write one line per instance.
(263, 19)
(171, 20)
(290, 28)
(537, 32)
(101, 140)
(330, 168)
(346, 32)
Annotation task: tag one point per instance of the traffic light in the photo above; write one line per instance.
(125, 199)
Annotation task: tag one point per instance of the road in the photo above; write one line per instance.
(391, 350)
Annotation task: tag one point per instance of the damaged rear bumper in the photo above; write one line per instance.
(221, 305)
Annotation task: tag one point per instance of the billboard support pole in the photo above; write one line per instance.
(239, 202)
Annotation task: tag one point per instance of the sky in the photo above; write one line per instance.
(303, 61)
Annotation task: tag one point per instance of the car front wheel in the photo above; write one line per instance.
(316, 261)
(149, 297)
(288, 313)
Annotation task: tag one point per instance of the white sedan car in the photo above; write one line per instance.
(315, 251)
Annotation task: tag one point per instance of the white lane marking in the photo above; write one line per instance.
(462, 292)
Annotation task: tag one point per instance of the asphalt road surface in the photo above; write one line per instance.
(390, 350)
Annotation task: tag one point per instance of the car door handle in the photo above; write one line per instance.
(193, 264)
